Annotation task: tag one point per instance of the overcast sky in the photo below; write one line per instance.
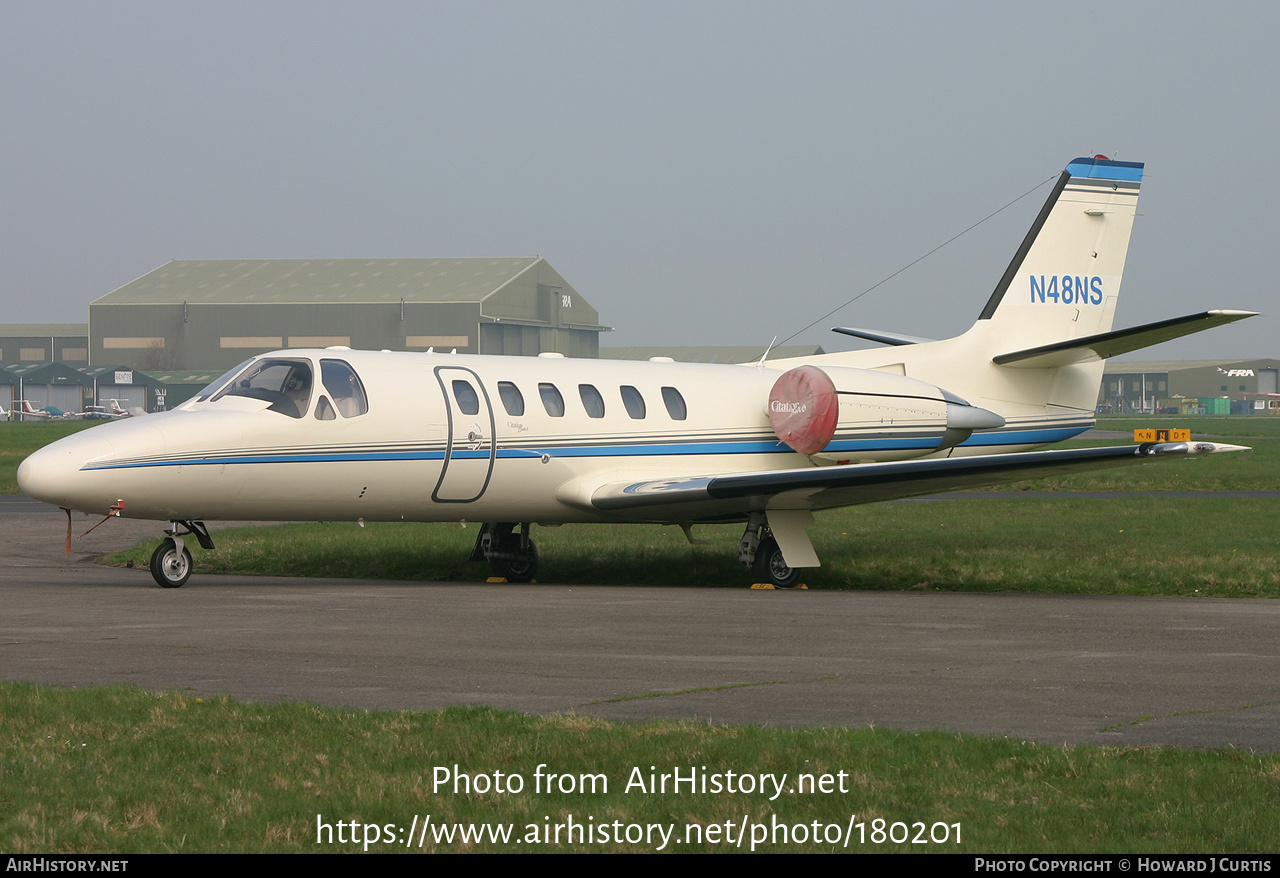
(702, 172)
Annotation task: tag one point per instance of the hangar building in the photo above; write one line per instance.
(44, 343)
(43, 384)
(1242, 386)
(215, 313)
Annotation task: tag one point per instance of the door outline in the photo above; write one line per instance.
(459, 455)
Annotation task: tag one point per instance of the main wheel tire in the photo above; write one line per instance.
(169, 567)
(771, 567)
(521, 569)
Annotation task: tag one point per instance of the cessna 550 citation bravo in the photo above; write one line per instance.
(338, 434)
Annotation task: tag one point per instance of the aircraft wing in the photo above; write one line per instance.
(689, 498)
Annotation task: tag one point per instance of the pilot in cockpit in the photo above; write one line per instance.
(297, 386)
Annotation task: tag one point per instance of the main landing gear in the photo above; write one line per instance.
(761, 552)
(171, 561)
(512, 556)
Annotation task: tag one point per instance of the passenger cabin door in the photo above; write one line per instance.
(471, 448)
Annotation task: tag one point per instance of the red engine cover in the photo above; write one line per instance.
(804, 409)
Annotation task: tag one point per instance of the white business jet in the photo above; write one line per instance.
(337, 434)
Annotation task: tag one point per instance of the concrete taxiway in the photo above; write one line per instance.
(1048, 668)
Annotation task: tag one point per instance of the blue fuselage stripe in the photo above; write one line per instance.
(923, 443)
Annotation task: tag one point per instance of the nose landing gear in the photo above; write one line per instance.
(171, 563)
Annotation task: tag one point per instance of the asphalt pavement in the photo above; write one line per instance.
(1047, 668)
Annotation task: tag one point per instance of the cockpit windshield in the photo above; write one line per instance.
(214, 386)
(286, 384)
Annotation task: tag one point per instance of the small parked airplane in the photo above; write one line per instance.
(26, 411)
(337, 434)
(113, 410)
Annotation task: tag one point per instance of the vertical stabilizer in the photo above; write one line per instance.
(1035, 356)
(1064, 281)
(1062, 284)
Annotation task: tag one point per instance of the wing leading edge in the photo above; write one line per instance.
(827, 487)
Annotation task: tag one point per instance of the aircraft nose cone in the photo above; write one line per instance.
(50, 474)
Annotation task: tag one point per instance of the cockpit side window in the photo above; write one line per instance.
(344, 386)
(286, 384)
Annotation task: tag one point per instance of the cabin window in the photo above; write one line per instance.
(286, 384)
(675, 404)
(465, 394)
(324, 411)
(592, 401)
(344, 385)
(512, 398)
(552, 401)
(634, 402)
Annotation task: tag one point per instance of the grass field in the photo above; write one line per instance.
(1254, 470)
(1132, 546)
(124, 770)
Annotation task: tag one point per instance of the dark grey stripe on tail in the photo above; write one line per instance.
(994, 302)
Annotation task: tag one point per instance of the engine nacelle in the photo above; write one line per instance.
(844, 415)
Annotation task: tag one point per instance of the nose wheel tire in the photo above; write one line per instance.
(772, 568)
(169, 567)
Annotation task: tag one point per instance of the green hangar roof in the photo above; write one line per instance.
(308, 281)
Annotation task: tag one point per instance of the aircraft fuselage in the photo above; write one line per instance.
(449, 437)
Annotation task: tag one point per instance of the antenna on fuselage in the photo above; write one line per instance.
(760, 365)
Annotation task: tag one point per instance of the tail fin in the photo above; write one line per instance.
(1064, 281)
(1035, 355)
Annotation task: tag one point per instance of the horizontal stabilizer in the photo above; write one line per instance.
(892, 338)
(685, 498)
(1092, 348)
